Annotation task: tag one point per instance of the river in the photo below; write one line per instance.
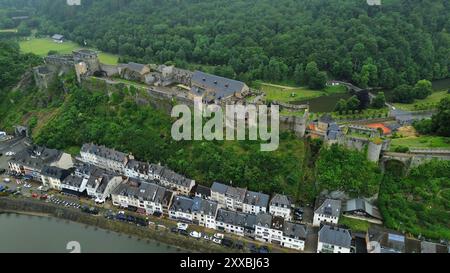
(33, 234)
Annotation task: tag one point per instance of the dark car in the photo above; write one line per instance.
(174, 230)
(157, 214)
(239, 245)
(184, 233)
(2, 171)
(227, 242)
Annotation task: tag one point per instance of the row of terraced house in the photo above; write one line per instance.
(106, 174)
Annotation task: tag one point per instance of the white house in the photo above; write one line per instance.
(238, 223)
(74, 184)
(334, 240)
(204, 212)
(294, 236)
(275, 230)
(280, 205)
(52, 177)
(228, 197)
(255, 202)
(269, 229)
(181, 209)
(105, 158)
(143, 196)
(101, 184)
(327, 212)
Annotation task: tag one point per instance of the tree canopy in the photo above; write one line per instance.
(399, 42)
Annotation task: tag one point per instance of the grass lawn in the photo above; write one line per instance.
(283, 93)
(429, 103)
(354, 224)
(422, 142)
(42, 46)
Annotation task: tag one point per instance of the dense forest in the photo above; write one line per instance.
(399, 42)
(420, 202)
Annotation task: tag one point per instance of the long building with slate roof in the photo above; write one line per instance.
(212, 88)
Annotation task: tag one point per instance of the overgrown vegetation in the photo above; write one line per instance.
(420, 202)
(345, 170)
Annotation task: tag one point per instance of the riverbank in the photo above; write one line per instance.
(41, 209)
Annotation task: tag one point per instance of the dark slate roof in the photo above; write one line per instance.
(205, 207)
(73, 181)
(175, 178)
(219, 187)
(54, 172)
(236, 193)
(326, 118)
(84, 169)
(335, 236)
(236, 218)
(140, 167)
(294, 230)
(204, 191)
(104, 152)
(36, 157)
(144, 191)
(363, 205)
(280, 200)
(257, 199)
(264, 220)
(183, 204)
(222, 87)
(330, 207)
(155, 169)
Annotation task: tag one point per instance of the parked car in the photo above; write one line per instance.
(196, 235)
(184, 233)
(174, 230)
(217, 241)
(207, 238)
(6, 180)
(182, 226)
(2, 171)
(227, 242)
(219, 236)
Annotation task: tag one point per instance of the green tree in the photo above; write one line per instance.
(422, 89)
(379, 101)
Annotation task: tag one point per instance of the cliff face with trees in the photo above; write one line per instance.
(399, 42)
